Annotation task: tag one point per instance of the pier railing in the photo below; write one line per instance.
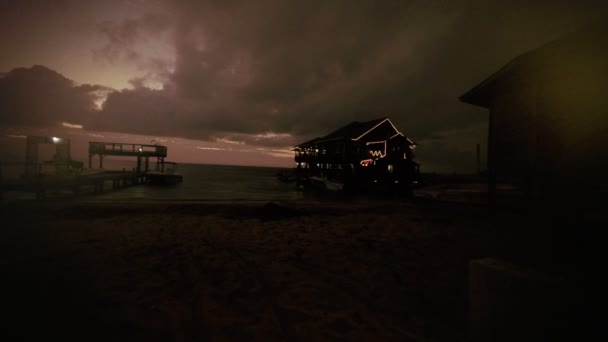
(141, 151)
(124, 149)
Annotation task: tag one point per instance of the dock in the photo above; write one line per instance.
(76, 184)
(71, 178)
(142, 152)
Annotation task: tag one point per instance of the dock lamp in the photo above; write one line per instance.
(139, 151)
(63, 153)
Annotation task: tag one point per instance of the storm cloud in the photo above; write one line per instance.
(38, 96)
(275, 73)
(303, 68)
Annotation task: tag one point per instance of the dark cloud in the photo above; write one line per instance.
(307, 67)
(275, 72)
(294, 68)
(123, 40)
(38, 96)
(139, 110)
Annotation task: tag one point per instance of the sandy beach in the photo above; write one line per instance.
(160, 271)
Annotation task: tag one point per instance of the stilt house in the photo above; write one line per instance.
(372, 151)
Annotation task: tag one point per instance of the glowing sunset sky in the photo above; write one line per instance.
(240, 82)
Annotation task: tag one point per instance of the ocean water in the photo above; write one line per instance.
(214, 183)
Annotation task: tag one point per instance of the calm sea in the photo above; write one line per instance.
(215, 183)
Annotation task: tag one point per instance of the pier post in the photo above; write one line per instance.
(31, 155)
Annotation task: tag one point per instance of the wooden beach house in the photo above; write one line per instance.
(358, 155)
(548, 126)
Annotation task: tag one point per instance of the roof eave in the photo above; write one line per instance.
(376, 126)
(472, 97)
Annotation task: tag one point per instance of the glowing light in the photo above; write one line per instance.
(100, 100)
(140, 149)
(377, 153)
(56, 140)
(366, 162)
(71, 125)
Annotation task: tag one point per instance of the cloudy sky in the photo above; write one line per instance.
(240, 82)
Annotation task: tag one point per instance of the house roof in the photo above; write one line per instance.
(565, 49)
(353, 131)
(309, 142)
(481, 94)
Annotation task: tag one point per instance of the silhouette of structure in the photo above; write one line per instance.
(359, 154)
(61, 160)
(163, 173)
(142, 152)
(548, 116)
(69, 176)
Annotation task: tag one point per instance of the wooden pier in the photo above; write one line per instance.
(142, 152)
(76, 184)
(79, 181)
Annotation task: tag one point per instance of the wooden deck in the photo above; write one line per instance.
(72, 179)
(77, 184)
(141, 151)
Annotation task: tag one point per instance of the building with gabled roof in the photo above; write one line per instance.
(360, 152)
(548, 124)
